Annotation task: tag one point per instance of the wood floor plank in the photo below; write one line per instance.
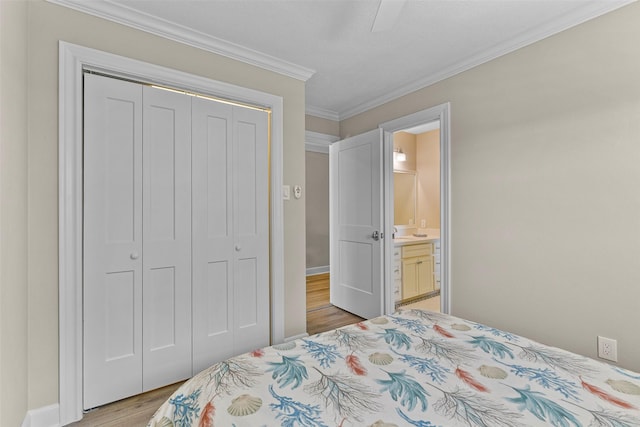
(322, 277)
(317, 291)
(134, 411)
(317, 299)
(328, 318)
(321, 315)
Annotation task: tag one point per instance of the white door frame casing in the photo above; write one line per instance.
(73, 59)
(440, 112)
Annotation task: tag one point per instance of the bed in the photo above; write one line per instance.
(412, 368)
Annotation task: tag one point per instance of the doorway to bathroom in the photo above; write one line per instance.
(416, 264)
(417, 151)
(383, 230)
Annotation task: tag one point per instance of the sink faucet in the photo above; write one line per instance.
(395, 230)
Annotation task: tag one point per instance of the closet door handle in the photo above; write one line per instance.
(134, 255)
(238, 248)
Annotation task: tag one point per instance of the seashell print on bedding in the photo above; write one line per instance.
(244, 404)
(492, 372)
(285, 346)
(624, 386)
(381, 423)
(380, 359)
(164, 422)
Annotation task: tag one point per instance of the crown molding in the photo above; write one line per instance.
(135, 19)
(318, 142)
(322, 113)
(160, 27)
(589, 11)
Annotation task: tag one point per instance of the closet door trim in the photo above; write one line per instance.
(73, 59)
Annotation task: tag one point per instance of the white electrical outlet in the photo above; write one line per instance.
(423, 223)
(607, 349)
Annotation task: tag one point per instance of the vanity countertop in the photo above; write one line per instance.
(432, 236)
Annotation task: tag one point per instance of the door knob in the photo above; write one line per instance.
(134, 255)
(238, 248)
(376, 235)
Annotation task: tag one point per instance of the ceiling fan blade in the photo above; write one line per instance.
(387, 15)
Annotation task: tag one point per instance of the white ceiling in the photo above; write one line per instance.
(329, 43)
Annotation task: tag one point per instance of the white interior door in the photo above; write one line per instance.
(230, 231)
(356, 224)
(137, 239)
(112, 271)
(166, 256)
(212, 232)
(251, 229)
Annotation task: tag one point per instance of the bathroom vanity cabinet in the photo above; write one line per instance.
(417, 270)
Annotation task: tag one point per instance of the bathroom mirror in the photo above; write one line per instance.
(404, 197)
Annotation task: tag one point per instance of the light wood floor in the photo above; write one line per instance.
(138, 410)
(132, 412)
(321, 315)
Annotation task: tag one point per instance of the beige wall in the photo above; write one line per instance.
(13, 213)
(545, 210)
(320, 125)
(45, 25)
(428, 174)
(317, 195)
(317, 208)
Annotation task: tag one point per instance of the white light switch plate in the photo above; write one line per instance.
(286, 192)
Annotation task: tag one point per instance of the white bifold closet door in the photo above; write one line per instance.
(231, 246)
(166, 237)
(112, 270)
(176, 256)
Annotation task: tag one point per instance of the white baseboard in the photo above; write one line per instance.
(295, 337)
(317, 270)
(47, 416)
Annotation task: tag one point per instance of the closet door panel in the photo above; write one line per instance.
(112, 279)
(247, 292)
(163, 314)
(213, 243)
(167, 237)
(216, 292)
(216, 150)
(161, 186)
(248, 185)
(120, 315)
(251, 187)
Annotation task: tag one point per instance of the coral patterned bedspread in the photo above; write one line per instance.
(413, 368)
